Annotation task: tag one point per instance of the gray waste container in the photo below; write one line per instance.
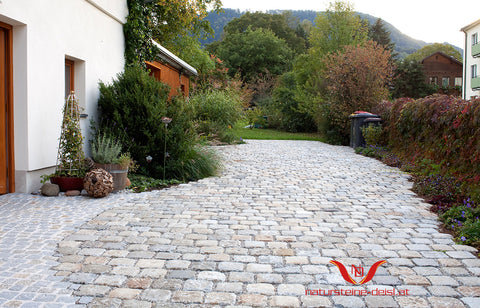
(359, 119)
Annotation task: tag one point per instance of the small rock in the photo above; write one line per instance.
(50, 190)
(128, 183)
(72, 193)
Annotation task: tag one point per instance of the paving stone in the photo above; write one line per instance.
(412, 301)
(348, 301)
(258, 268)
(188, 297)
(198, 285)
(241, 277)
(269, 223)
(139, 283)
(92, 290)
(218, 298)
(261, 288)
(380, 301)
(284, 301)
(111, 280)
(156, 295)
(445, 302)
(211, 275)
(443, 280)
(231, 266)
(471, 301)
(443, 291)
(255, 300)
(291, 289)
(235, 287)
(316, 301)
(124, 293)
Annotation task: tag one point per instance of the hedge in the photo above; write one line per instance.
(444, 130)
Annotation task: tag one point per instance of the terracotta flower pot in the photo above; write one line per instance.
(67, 183)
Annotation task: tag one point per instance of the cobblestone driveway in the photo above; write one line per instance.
(261, 234)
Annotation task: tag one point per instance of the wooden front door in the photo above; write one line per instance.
(5, 111)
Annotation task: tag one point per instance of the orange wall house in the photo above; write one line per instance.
(171, 70)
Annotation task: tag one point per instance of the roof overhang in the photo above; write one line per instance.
(473, 24)
(167, 56)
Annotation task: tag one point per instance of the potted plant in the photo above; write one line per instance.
(107, 155)
(70, 169)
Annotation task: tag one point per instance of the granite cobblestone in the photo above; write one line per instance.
(259, 234)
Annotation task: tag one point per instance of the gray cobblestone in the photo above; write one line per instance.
(258, 234)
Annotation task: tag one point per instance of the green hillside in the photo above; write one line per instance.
(404, 45)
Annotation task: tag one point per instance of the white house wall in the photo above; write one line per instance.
(469, 60)
(45, 33)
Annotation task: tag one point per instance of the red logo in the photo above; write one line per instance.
(357, 271)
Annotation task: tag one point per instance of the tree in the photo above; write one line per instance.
(254, 52)
(409, 81)
(163, 20)
(379, 34)
(334, 29)
(357, 78)
(293, 119)
(337, 27)
(428, 50)
(284, 26)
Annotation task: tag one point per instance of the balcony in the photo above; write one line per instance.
(476, 83)
(476, 50)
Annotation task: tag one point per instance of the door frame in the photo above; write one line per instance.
(9, 109)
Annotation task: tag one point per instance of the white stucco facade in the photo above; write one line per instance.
(471, 61)
(45, 34)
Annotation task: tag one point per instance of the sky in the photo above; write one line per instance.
(432, 21)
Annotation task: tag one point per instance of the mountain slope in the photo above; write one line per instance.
(404, 44)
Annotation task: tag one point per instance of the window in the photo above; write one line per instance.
(445, 81)
(458, 81)
(474, 71)
(433, 80)
(474, 39)
(69, 77)
(155, 70)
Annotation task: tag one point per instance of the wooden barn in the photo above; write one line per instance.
(443, 70)
(171, 70)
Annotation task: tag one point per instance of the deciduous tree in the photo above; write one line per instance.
(255, 52)
(428, 50)
(357, 79)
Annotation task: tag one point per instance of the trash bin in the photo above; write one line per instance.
(359, 119)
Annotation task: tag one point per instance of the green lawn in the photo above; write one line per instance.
(271, 134)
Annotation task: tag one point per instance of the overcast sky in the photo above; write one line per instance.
(432, 21)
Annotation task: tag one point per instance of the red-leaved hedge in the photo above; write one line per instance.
(442, 129)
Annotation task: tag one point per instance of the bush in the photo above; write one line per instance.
(372, 134)
(131, 109)
(105, 150)
(438, 138)
(292, 118)
(215, 112)
(444, 130)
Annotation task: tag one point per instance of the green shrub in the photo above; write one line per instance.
(372, 134)
(215, 112)
(141, 183)
(132, 107)
(105, 150)
(293, 119)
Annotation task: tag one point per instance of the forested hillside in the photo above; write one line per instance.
(404, 44)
